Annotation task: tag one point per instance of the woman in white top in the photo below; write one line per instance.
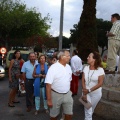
(92, 80)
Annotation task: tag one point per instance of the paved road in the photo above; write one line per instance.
(19, 111)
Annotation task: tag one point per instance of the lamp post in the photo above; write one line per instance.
(61, 24)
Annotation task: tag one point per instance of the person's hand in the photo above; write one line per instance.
(84, 98)
(77, 72)
(49, 103)
(107, 33)
(43, 76)
(40, 75)
(85, 91)
(17, 76)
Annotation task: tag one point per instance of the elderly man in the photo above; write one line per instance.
(58, 91)
(113, 43)
(76, 66)
(27, 70)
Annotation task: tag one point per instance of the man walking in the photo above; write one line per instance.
(27, 70)
(113, 43)
(58, 91)
(76, 66)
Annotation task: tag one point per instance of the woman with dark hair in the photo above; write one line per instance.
(39, 74)
(92, 80)
(14, 72)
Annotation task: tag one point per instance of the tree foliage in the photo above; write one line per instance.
(17, 22)
(87, 39)
(74, 34)
(42, 41)
(102, 28)
(65, 42)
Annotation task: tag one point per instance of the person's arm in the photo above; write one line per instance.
(84, 97)
(10, 67)
(83, 81)
(36, 75)
(24, 76)
(114, 31)
(73, 65)
(48, 94)
(23, 70)
(22, 61)
(80, 68)
(49, 81)
(34, 72)
(109, 34)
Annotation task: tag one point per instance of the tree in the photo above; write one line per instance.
(65, 42)
(102, 27)
(40, 41)
(87, 40)
(17, 23)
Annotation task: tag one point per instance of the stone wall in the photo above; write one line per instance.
(109, 105)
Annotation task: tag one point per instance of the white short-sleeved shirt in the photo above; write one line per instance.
(76, 64)
(93, 77)
(59, 77)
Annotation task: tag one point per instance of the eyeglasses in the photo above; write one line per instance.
(66, 55)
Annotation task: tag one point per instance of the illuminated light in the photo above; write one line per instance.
(3, 50)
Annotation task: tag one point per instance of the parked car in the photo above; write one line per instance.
(24, 54)
(50, 53)
(2, 72)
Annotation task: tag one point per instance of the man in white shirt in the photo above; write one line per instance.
(76, 66)
(58, 91)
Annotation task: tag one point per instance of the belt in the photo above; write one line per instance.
(29, 79)
(58, 92)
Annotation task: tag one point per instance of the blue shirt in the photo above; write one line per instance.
(28, 68)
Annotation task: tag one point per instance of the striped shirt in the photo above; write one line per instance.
(115, 30)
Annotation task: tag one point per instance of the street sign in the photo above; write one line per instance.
(3, 50)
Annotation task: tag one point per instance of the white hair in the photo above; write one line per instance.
(61, 53)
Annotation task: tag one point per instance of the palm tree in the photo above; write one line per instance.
(87, 40)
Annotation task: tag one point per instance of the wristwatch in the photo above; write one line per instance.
(89, 90)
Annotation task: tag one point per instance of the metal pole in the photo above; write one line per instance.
(61, 24)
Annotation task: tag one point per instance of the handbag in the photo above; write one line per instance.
(42, 84)
(87, 104)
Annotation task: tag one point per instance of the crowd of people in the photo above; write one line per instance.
(55, 79)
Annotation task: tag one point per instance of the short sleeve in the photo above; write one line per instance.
(101, 71)
(84, 69)
(50, 75)
(70, 72)
(23, 68)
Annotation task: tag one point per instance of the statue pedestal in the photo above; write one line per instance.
(109, 105)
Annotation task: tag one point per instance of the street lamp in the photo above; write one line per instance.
(61, 24)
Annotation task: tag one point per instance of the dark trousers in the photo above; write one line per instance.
(29, 92)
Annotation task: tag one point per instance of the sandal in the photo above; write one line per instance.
(47, 111)
(36, 112)
(9, 105)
